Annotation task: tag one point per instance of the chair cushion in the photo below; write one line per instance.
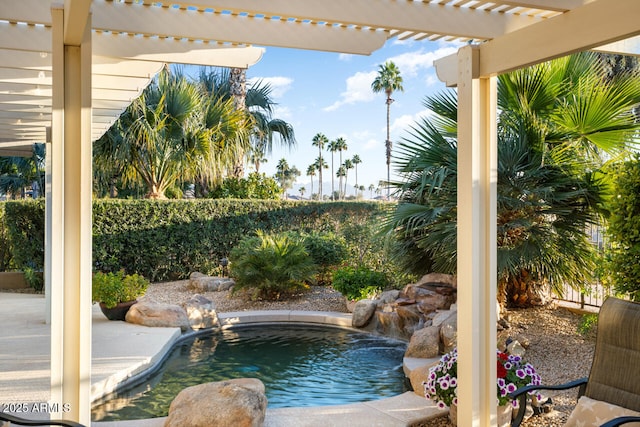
(592, 413)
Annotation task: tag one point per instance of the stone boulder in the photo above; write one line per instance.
(238, 402)
(202, 283)
(362, 312)
(418, 376)
(424, 343)
(439, 279)
(449, 332)
(201, 312)
(149, 313)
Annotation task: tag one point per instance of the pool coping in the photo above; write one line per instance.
(401, 410)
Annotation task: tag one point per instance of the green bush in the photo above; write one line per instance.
(113, 288)
(169, 239)
(624, 230)
(358, 283)
(327, 250)
(271, 266)
(6, 260)
(588, 324)
(34, 279)
(255, 186)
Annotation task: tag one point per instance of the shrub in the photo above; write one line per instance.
(624, 230)
(113, 288)
(6, 260)
(327, 250)
(588, 324)
(271, 266)
(255, 186)
(358, 283)
(34, 279)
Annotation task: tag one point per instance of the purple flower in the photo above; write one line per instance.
(511, 387)
(441, 405)
(520, 373)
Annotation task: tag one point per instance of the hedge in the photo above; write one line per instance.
(168, 239)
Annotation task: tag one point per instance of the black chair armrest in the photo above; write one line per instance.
(25, 422)
(620, 421)
(521, 395)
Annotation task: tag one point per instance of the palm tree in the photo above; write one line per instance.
(258, 104)
(341, 173)
(556, 119)
(19, 173)
(320, 164)
(282, 169)
(333, 147)
(388, 81)
(319, 140)
(165, 134)
(371, 189)
(341, 145)
(311, 172)
(356, 161)
(348, 164)
(302, 190)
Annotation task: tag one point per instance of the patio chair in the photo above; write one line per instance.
(614, 380)
(12, 419)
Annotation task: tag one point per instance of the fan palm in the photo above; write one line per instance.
(18, 173)
(341, 145)
(332, 147)
(311, 172)
(555, 121)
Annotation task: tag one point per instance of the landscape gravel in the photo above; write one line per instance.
(556, 349)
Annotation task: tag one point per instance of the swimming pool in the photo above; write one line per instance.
(300, 365)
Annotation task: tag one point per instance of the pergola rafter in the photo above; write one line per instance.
(73, 66)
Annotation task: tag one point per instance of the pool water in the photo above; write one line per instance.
(300, 365)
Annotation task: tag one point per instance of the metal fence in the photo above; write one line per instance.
(592, 295)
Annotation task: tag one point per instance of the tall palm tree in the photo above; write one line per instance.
(311, 172)
(388, 81)
(341, 173)
(371, 189)
(356, 160)
(282, 169)
(320, 164)
(333, 147)
(302, 190)
(348, 164)
(319, 140)
(341, 145)
(556, 120)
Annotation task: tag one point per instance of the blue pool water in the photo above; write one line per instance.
(300, 365)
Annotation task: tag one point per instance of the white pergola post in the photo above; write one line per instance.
(477, 248)
(71, 213)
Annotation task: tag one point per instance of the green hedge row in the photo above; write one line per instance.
(168, 239)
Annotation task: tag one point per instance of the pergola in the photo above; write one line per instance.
(68, 68)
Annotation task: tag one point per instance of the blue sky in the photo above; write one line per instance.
(331, 93)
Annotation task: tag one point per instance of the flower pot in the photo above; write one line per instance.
(503, 413)
(119, 312)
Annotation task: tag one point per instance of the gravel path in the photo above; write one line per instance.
(556, 350)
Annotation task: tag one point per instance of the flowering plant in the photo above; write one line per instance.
(512, 373)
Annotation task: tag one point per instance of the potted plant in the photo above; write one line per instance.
(512, 373)
(117, 292)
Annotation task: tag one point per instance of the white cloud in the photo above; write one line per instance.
(283, 113)
(345, 57)
(403, 123)
(411, 63)
(358, 90)
(279, 84)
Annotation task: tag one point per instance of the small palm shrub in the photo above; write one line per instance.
(271, 266)
(358, 283)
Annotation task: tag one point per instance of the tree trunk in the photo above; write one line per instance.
(237, 82)
(524, 291)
